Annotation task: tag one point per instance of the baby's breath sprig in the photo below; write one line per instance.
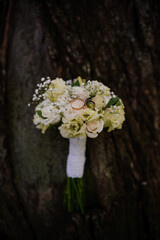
(39, 94)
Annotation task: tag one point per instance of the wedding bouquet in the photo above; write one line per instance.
(79, 109)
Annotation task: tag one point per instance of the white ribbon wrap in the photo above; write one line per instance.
(76, 157)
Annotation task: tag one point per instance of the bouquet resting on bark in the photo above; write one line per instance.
(79, 109)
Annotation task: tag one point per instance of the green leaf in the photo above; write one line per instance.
(112, 102)
(76, 83)
(40, 114)
(119, 103)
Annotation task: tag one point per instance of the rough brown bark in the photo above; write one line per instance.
(112, 41)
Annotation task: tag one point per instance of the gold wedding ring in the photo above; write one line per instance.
(77, 104)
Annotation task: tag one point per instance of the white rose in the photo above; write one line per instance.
(37, 119)
(80, 92)
(94, 127)
(51, 115)
(46, 111)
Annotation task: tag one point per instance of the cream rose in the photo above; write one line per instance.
(71, 113)
(94, 127)
(80, 92)
(114, 120)
(100, 101)
(59, 84)
(56, 89)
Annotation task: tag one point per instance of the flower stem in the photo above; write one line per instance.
(78, 194)
(69, 197)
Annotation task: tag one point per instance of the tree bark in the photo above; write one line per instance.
(111, 41)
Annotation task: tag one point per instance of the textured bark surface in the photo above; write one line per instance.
(112, 41)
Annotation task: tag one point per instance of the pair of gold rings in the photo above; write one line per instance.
(78, 104)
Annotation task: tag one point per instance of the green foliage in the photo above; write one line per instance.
(112, 102)
(40, 114)
(76, 83)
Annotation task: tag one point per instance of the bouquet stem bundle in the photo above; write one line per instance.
(74, 194)
(74, 197)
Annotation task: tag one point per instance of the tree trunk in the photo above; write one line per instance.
(112, 41)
